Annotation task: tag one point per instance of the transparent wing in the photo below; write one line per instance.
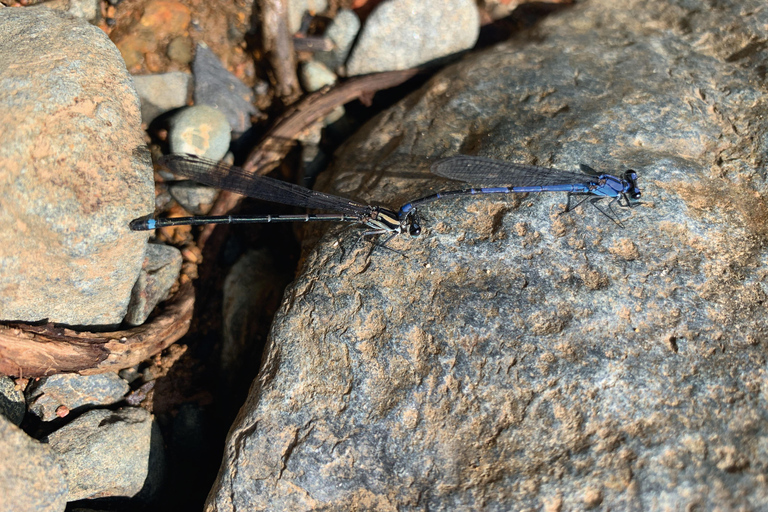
(236, 179)
(484, 171)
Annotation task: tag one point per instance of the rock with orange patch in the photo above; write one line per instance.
(74, 170)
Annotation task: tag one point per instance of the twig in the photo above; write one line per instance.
(277, 44)
(36, 351)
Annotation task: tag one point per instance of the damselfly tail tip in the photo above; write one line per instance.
(145, 223)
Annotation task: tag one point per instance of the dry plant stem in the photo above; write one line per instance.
(36, 351)
(281, 137)
(278, 47)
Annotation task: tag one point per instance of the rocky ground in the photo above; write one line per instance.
(511, 356)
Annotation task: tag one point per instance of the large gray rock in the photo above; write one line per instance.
(514, 358)
(107, 453)
(31, 479)
(74, 170)
(401, 34)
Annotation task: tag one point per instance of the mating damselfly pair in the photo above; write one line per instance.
(496, 177)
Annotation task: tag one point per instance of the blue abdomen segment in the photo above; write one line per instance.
(577, 189)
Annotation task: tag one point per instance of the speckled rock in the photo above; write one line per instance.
(515, 358)
(55, 396)
(86, 9)
(401, 34)
(32, 478)
(75, 171)
(106, 453)
(12, 403)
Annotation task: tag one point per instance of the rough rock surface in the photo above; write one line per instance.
(515, 358)
(162, 264)
(106, 453)
(74, 170)
(54, 396)
(12, 403)
(32, 479)
(401, 34)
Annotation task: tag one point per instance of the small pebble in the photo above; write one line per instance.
(180, 50)
(261, 88)
(342, 32)
(129, 374)
(165, 18)
(86, 9)
(315, 75)
(195, 198)
(161, 93)
(200, 130)
(192, 254)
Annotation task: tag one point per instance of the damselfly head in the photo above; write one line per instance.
(630, 177)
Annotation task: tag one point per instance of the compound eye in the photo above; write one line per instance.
(415, 230)
(630, 176)
(636, 195)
